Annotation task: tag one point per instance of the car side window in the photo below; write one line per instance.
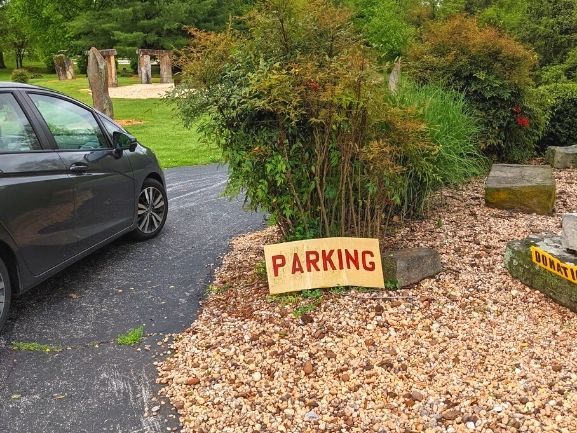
(110, 126)
(73, 127)
(16, 133)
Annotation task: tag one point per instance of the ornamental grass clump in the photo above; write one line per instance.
(304, 120)
(454, 129)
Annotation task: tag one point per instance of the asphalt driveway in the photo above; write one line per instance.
(93, 385)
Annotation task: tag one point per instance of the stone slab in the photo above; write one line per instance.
(520, 265)
(409, 266)
(562, 157)
(525, 188)
(569, 234)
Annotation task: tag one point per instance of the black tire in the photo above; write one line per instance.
(5, 294)
(152, 208)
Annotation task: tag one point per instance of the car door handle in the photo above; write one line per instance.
(78, 168)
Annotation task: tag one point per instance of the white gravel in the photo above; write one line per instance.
(469, 350)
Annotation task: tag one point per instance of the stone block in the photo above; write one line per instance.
(569, 235)
(411, 265)
(519, 262)
(525, 188)
(562, 157)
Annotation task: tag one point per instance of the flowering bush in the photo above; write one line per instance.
(494, 73)
(302, 115)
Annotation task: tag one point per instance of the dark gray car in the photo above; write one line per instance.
(71, 181)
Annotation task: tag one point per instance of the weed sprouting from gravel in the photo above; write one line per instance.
(304, 309)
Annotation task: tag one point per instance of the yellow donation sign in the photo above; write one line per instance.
(568, 271)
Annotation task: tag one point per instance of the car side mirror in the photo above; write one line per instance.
(123, 141)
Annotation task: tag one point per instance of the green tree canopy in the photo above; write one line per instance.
(51, 26)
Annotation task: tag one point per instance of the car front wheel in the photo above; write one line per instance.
(5, 294)
(152, 210)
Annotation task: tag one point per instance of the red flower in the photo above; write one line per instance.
(522, 121)
(517, 109)
(314, 86)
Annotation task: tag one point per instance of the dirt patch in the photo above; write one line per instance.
(129, 122)
(469, 350)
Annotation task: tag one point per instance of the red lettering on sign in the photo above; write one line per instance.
(312, 260)
(368, 266)
(278, 262)
(327, 260)
(340, 257)
(297, 266)
(352, 258)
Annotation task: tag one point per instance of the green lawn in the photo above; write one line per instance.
(162, 129)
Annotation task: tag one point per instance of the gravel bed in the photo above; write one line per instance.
(469, 350)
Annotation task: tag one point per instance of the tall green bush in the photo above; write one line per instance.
(304, 119)
(493, 71)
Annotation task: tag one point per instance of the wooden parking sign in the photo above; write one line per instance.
(323, 263)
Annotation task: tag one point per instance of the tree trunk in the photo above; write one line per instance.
(19, 58)
(2, 64)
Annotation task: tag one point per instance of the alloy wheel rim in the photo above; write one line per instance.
(151, 208)
(2, 295)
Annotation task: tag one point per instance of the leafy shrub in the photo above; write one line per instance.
(561, 100)
(304, 120)
(20, 76)
(494, 73)
(552, 74)
(454, 130)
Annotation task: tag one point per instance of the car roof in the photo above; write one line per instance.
(12, 85)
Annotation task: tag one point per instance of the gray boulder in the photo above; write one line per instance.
(562, 157)
(525, 188)
(411, 265)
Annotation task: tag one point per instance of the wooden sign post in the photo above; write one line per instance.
(323, 263)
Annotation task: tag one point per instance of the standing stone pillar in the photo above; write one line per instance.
(165, 60)
(144, 69)
(110, 57)
(64, 67)
(98, 79)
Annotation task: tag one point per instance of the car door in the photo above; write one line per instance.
(103, 180)
(36, 198)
